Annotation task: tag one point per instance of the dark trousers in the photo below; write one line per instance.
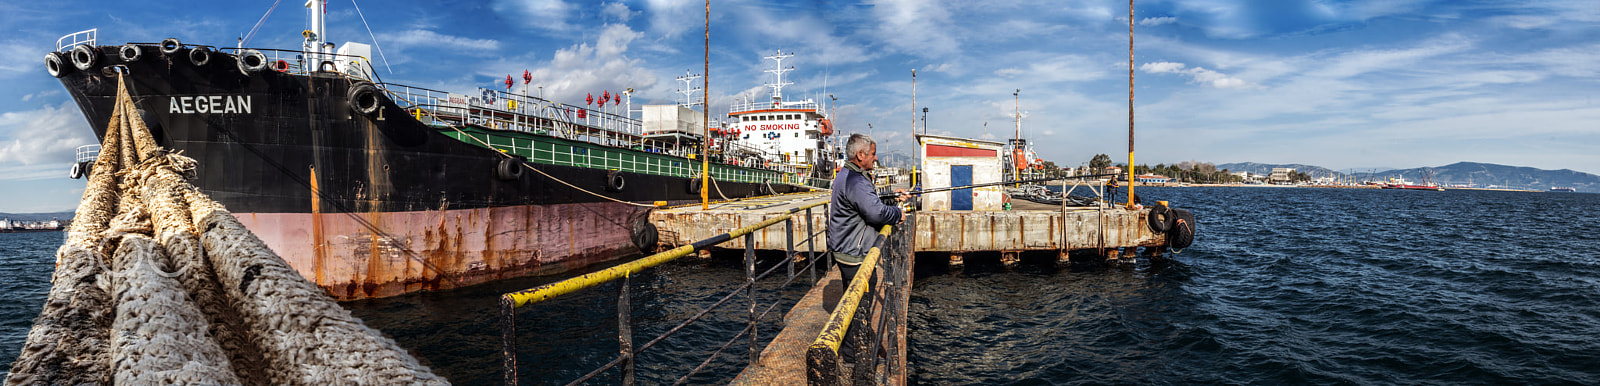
(859, 334)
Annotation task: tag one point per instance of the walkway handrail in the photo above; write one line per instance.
(824, 352)
(510, 301)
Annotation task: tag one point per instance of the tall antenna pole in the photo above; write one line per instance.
(1016, 111)
(705, 146)
(915, 161)
(688, 90)
(1130, 104)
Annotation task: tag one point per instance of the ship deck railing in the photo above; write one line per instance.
(511, 302)
(769, 105)
(65, 43)
(87, 153)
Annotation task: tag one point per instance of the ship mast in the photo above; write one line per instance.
(688, 88)
(777, 73)
(315, 35)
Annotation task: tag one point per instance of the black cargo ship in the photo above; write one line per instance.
(373, 189)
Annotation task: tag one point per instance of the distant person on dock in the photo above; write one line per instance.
(856, 212)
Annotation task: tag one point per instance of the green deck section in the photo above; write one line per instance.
(543, 149)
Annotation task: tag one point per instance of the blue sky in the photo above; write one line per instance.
(1340, 84)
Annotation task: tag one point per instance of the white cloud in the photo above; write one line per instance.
(551, 15)
(37, 143)
(916, 27)
(430, 39)
(17, 58)
(590, 68)
(618, 11)
(670, 18)
(1155, 21)
(1197, 75)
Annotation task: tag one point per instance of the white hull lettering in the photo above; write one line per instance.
(210, 104)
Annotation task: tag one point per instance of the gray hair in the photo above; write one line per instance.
(857, 143)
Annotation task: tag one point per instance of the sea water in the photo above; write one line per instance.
(1282, 286)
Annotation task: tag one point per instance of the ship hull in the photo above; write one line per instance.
(381, 204)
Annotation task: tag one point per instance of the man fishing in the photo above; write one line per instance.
(856, 213)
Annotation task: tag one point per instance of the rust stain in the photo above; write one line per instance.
(319, 245)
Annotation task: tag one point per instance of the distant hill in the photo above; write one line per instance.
(1475, 173)
(37, 216)
(1520, 177)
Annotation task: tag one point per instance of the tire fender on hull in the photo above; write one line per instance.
(365, 99)
(85, 57)
(615, 182)
(509, 169)
(130, 53)
(56, 65)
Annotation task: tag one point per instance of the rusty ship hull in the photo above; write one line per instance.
(379, 203)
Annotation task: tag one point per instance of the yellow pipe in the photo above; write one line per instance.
(1131, 180)
(839, 323)
(545, 292)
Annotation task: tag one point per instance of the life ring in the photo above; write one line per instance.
(1183, 229)
(509, 169)
(77, 171)
(615, 182)
(328, 66)
(130, 53)
(170, 46)
(1160, 219)
(55, 65)
(364, 99)
(281, 65)
(199, 56)
(85, 57)
(252, 61)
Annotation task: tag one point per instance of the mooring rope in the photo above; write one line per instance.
(158, 284)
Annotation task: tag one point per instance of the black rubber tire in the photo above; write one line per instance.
(252, 61)
(364, 99)
(170, 46)
(1160, 219)
(694, 185)
(615, 182)
(328, 66)
(130, 53)
(644, 234)
(56, 65)
(77, 171)
(508, 169)
(85, 57)
(1183, 229)
(200, 56)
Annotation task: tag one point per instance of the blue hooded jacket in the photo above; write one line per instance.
(855, 214)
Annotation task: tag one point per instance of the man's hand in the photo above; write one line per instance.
(901, 195)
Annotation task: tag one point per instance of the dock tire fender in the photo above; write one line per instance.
(766, 188)
(615, 182)
(85, 57)
(1183, 229)
(56, 65)
(170, 46)
(1160, 219)
(694, 185)
(509, 169)
(130, 52)
(77, 171)
(328, 66)
(200, 56)
(251, 61)
(365, 99)
(644, 234)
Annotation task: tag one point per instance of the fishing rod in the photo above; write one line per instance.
(936, 190)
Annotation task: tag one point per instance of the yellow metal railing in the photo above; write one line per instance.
(509, 302)
(824, 352)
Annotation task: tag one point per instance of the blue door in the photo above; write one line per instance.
(961, 175)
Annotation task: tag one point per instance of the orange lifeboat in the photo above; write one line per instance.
(827, 128)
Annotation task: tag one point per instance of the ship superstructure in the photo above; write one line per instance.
(782, 133)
